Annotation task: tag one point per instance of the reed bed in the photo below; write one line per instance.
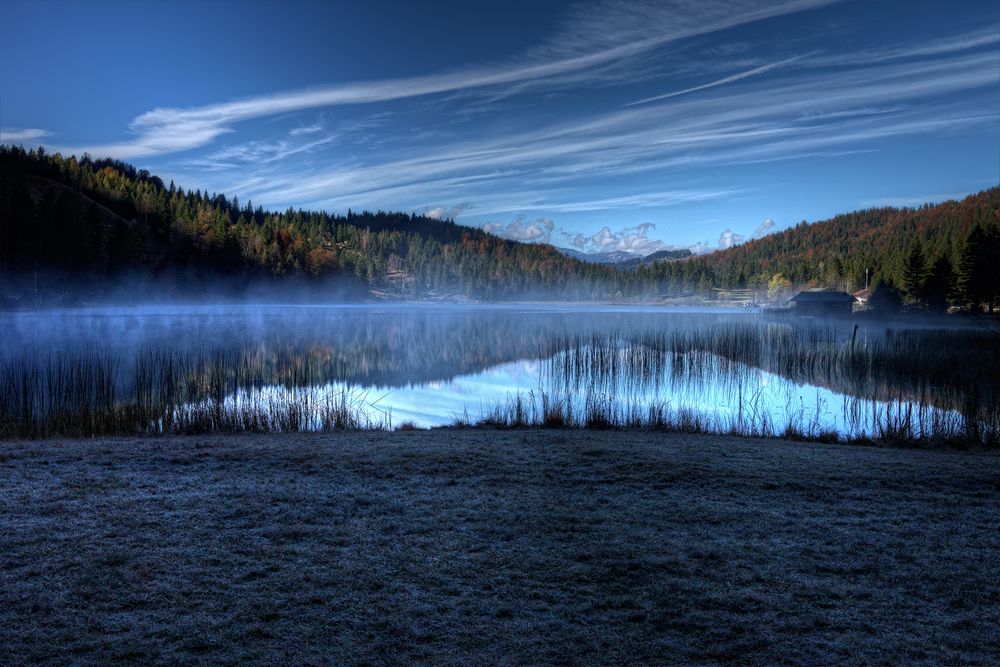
(890, 385)
(162, 392)
(909, 385)
(899, 423)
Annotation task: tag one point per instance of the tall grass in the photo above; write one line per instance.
(897, 385)
(163, 392)
(892, 423)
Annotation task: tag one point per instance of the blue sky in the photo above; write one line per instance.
(595, 125)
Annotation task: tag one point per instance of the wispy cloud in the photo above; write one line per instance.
(10, 135)
(657, 199)
(597, 36)
(257, 152)
(796, 115)
(306, 129)
(720, 82)
(935, 47)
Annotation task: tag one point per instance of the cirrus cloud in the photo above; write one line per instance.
(596, 38)
(9, 134)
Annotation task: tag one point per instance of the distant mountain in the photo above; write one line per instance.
(613, 257)
(655, 258)
(622, 259)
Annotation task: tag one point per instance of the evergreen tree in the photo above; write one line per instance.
(913, 273)
(972, 286)
(992, 262)
(938, 285)
(885, 298)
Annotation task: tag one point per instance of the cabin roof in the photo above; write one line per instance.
(823, 296)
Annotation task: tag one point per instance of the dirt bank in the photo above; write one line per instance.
(496, 546)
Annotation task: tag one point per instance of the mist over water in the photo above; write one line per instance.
(432, 365)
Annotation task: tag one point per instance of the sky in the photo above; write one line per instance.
(598, 126)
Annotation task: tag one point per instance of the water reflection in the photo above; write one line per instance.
(431, 365)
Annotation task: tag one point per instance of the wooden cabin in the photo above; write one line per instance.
(823, 303)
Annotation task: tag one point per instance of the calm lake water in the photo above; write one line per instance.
(434, 365)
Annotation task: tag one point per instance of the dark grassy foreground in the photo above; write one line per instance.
(481, 546)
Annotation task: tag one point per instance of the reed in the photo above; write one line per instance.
(910, 385)
(163, 392)
(894, 424)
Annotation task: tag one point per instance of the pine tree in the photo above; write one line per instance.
(992, 264)
(974, 270)
(938, 285)
(885, 298)
(913, 272)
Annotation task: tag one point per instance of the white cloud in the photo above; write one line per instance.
(442, 213)
(9, 134)
(629, 239)
(728, 238)
(761, 229)
(519, 229)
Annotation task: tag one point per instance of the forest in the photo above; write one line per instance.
(72, 226)
(932, 256)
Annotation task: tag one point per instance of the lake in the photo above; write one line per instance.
(289, 368)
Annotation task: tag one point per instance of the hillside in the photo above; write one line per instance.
(613, 257)
(74, 229)
(656, 258)
(69, 225)
(956, 243)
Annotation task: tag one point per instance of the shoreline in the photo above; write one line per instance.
(400, 430)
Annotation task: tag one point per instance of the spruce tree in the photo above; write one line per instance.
(913, 272)
(973, 270)
(938, 285)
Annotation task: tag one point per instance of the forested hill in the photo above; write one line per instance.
(955, 244)
(97, 223)
(74, 229)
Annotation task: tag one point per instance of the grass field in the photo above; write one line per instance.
(485, 546)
